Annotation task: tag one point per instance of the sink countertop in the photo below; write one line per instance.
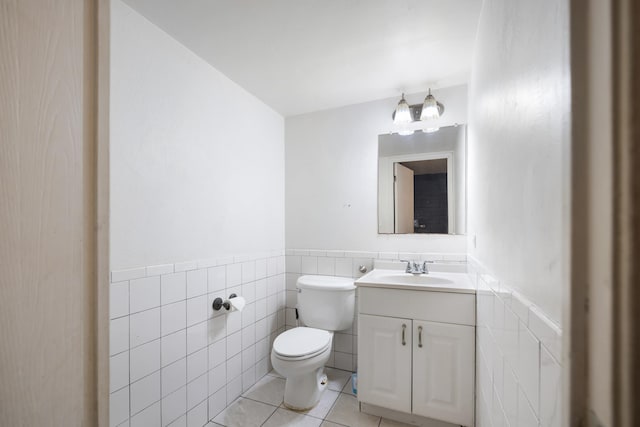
(435, 281)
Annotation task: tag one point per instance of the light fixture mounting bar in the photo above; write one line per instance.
(416, 111)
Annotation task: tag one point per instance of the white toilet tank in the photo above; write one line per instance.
(326, 302)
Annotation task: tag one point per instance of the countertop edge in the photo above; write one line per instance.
(421, 288)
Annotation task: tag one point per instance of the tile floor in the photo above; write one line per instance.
(262, 406)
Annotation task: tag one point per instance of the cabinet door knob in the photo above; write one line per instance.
(404, 328)
(420, 336)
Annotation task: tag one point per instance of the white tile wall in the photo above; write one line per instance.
(197, 416)
(144, 293)
(144, 360)
(344, 264)
(145, 392)
(119, 406)
(173, 376)
(147, 417)
(144, 327)
(518, 369)
(174, 361)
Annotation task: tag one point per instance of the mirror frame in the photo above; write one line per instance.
(456, 181)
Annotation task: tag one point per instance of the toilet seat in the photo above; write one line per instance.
(301, 343)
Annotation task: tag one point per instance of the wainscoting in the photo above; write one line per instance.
(518, 358)
(344, 264)
(175, 360)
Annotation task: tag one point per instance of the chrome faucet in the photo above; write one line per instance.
(414, 267)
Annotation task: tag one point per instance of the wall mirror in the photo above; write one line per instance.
(422, 182)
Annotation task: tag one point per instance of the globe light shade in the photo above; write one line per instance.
(430, 108)
(403, 113)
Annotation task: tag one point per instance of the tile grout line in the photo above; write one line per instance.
(160, 355)
(208, 367)
(300, 413)
(269, 417)
(129, 346)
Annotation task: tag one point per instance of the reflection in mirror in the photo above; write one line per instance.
(422, 182)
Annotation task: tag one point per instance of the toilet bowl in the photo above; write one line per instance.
(299, 355)
(325, 304)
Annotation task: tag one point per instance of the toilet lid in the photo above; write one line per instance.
(301, 341)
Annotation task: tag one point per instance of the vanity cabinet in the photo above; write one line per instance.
(443, 371)
(384, 375)
(416, 352)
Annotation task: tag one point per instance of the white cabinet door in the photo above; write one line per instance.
(384, 362)
(443, 369)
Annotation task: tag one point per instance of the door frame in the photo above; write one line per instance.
(386, 216)
(601, 343)
(399, 167)
(102, 66)
(626, 243)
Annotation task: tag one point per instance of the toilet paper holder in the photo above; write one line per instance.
(218, 303)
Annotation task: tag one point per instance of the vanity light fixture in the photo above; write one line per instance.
(405, 114)
(430, 108)
(402, 115)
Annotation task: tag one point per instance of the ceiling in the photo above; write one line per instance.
(426, 167)
(299, 56)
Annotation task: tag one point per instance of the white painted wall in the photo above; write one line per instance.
(197, 212)
(519, 128)
(332, 177)
(197, 163)
(518, 196)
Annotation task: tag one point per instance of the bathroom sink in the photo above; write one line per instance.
(434, 281)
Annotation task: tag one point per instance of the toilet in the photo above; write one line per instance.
(325, 304)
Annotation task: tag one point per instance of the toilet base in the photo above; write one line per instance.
(303, 392)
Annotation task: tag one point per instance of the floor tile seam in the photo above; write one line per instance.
(340, 424)
(257, 400)
(299, 413)
(358, 409)
(282, 406)
(332, 405)
(253, 400)
(335, 402)
(270, 415)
